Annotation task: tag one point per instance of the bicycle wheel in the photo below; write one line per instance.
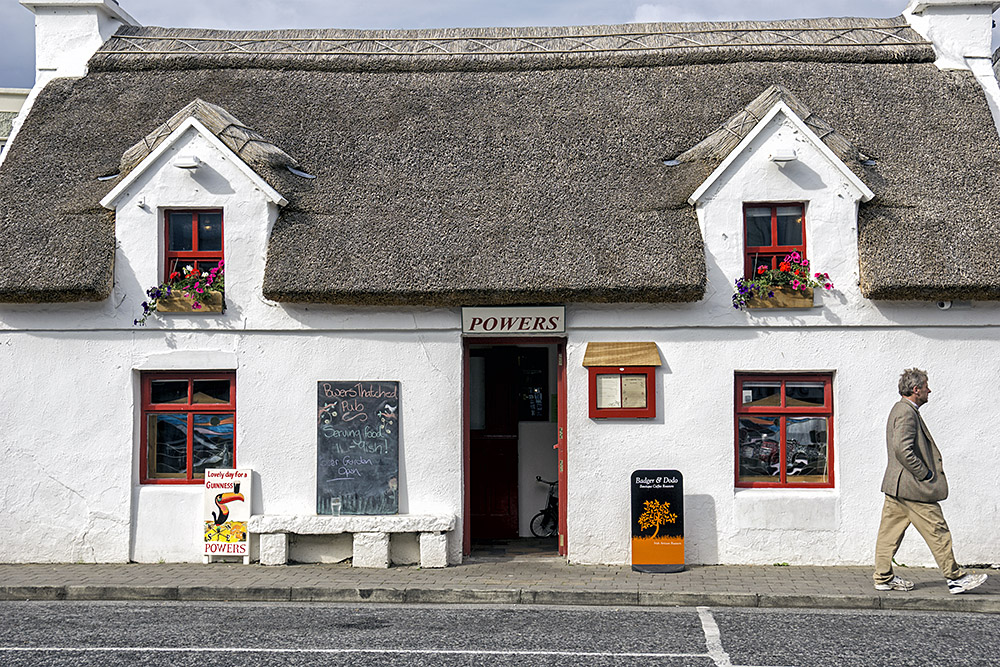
(542, 526)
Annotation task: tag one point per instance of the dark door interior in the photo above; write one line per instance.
(514, 387)
(494, 448)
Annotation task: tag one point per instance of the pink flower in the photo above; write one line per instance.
(196, 305)
(828, 286)
(199, 290)
(795, 284)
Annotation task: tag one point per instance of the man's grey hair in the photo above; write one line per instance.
(910, 380)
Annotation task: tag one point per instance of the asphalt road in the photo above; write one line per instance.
(121, 633)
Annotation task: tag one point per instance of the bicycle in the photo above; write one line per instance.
(546, 522)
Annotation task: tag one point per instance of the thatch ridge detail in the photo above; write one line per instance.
(718, 145)
(250, 146)
(826, 40)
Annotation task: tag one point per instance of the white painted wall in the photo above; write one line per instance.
(694, 433)
(958, 29)
(70, 440)
(68, 32)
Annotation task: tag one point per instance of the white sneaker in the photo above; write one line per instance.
(895, 584)
(966, 583)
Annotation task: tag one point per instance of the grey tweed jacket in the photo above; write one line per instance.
(912, 453)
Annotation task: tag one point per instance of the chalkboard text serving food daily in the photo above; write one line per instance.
(357, 457)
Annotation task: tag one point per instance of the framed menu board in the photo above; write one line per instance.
(622, 392)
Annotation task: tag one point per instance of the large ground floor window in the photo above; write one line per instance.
(188, 425)
(784, 430)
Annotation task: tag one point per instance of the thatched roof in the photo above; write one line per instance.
(510, 165)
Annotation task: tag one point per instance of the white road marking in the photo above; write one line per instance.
(391, 651)
(713, 639)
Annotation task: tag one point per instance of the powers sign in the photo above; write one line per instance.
(514, 321)
(226, 512)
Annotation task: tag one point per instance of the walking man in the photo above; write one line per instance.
(914, 482)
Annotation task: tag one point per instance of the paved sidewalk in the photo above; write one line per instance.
(547, 580)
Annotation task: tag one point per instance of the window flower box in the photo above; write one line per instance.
(784, 297)
(178, 303)
(187, 290)
(789, 285)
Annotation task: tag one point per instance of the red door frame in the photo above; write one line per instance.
(560, 344)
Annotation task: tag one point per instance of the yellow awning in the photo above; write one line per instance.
(622, 354)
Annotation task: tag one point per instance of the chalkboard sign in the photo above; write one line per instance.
(657, 521)
(357, 463)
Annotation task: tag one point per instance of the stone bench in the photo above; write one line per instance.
(371, 535)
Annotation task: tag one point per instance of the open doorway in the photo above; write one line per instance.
(514, 433)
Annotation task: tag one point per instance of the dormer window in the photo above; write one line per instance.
(772, 231)
(192, 238)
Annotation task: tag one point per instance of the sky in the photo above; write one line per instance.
(16, 22)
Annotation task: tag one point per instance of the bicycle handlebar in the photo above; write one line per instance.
(539, 478)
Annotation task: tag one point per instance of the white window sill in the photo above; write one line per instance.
(787, 509)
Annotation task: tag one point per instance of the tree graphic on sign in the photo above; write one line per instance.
(656, 514)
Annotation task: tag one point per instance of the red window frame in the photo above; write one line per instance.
(174, 258)
(189, 408)
(783, 411)
(770, 255)
(624, 413)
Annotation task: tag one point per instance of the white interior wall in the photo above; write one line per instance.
(535, 456)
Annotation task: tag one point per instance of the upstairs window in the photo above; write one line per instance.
(771, 231)
(193, 238)
(784, 431)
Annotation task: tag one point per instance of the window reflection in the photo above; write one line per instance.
(789, 220)
(758, 226)
(804, 393)
(760, 448)
(805, 449)
(168, 391)
(167, 436)
(209, 231)
(212, 442)
(210, 391)
(180, 231)
(762, 393)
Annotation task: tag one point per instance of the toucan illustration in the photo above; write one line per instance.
(220, 501)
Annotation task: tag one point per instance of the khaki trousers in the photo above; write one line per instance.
(928, 519)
